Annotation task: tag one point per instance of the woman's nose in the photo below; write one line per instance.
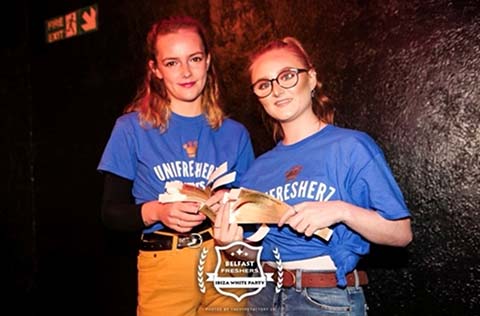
(186, 71)
(276, 88)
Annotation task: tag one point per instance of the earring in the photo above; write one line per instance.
(312, 93)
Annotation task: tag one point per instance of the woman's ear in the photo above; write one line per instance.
(312, 78)
(154, 69)
(208, 61)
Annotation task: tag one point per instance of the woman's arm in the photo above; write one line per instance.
(307, 217)
(119, 210)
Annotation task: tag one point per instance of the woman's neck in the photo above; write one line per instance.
(188, 109)
(296, 131)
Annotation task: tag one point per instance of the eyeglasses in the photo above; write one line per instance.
(286, 79)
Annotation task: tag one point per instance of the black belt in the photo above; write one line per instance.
(159, 240)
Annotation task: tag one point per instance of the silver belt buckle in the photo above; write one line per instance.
(193, 240)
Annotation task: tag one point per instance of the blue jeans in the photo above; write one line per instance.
(308, 301)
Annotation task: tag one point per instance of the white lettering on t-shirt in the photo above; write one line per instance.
(307, 189)
(173, 170)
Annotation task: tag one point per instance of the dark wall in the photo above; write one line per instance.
(406, 73)
(17, 220)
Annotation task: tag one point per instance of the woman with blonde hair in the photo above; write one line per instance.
(174, 130)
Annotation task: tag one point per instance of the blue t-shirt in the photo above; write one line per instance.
(332, 164)
(188, 151)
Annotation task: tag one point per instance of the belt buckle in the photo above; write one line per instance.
(193, 240)
(289, 278)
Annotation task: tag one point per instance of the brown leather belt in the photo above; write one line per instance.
(160, 240)
(315, 279)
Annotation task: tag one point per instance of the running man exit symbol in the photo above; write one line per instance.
(71, 24)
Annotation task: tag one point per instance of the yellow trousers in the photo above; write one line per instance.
(168, 284)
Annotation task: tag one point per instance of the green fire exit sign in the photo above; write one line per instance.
(72, 24)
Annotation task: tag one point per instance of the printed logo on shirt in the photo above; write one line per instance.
(293, 172)
(190, 148)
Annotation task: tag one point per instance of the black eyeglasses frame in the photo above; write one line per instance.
(297, 72)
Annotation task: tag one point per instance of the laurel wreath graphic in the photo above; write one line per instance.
(201, 264)
(278, 262)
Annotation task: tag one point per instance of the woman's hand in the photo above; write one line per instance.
(308, 217)
(214, 202)
(224, 232)
(179, 216)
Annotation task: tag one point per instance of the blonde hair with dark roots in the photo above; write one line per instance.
(152, 101)
(322, 107)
